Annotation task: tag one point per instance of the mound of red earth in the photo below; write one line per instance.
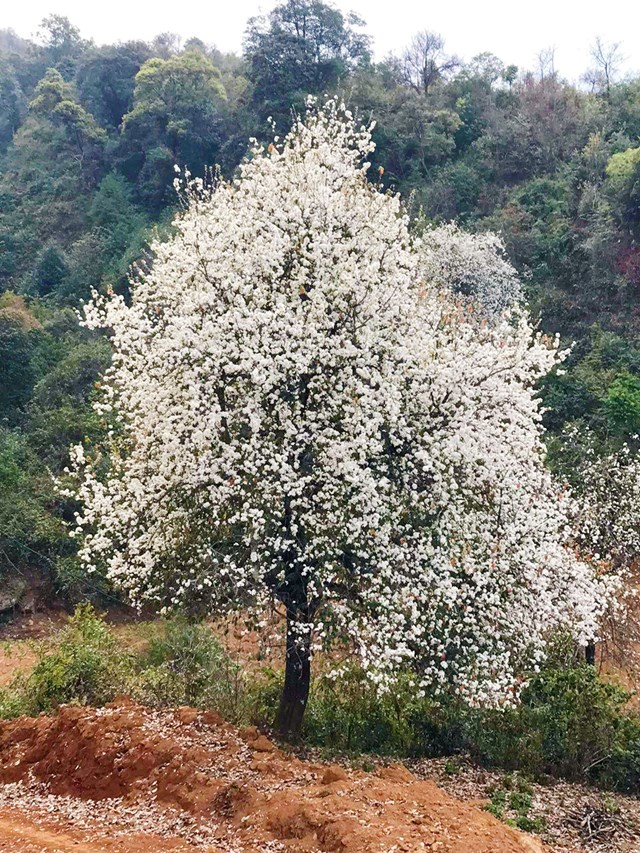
(236, 791)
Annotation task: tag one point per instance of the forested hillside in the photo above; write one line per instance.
(89, 140)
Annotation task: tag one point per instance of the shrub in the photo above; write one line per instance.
(570, 724)
(87, 666)
(623, 404)
(12, 704)
(187, 665)
(346, 715)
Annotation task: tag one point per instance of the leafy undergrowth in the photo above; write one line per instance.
(568, 816)
(570, 724)
(512, 800)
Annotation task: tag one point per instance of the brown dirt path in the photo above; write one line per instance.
(20, 834)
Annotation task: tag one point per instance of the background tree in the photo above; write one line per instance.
(425, 62)
(175, 119)
(55, 161)
(12, 104)
(301, 47)
(607, 58)
(106, 78)
(18, 331)
(61, 43)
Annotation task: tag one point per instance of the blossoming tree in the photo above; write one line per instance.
(606, 520)
(471, 265)
(301, 416)
(607, 510)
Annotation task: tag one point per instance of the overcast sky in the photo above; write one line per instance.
(514, 31)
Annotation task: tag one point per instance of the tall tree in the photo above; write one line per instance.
(175, 120)
(425, 62)
(13, 104)
(300, 416)
(301, 47)
(61, 43)
(105, 80)
(607, 58)
(54, 163)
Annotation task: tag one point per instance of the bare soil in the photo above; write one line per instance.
(128, 778)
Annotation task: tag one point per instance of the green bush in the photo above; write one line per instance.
(570, 724)
(623, 404)
(12, 704)
(346, 715)
(261, 696)
(188, 666)
(87, 666)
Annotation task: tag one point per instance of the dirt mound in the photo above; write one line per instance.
(237, 789)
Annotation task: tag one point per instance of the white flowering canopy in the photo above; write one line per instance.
(607, 511)
(301, 413)
(471, 265)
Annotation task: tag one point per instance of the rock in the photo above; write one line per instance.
(262, 744)
(334, 774)
(12, 589)
(396, 773)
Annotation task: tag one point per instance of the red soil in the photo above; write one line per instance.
(135, 779)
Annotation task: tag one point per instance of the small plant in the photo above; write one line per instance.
(12, 704)
(528, 824)
(520, 802)
(498, 803)
(611, 805)
(511, 801)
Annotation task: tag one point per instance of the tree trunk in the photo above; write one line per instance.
(590, 654)
(297, 678)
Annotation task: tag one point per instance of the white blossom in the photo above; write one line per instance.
(607, 513)
(472, 265)
(300, 407)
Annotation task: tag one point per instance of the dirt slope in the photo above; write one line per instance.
(129, 779)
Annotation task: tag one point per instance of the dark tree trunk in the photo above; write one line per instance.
(590, 654)
(297, 678)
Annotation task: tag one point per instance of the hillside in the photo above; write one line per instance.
(89, 137)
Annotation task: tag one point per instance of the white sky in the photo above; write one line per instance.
(514, 31)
